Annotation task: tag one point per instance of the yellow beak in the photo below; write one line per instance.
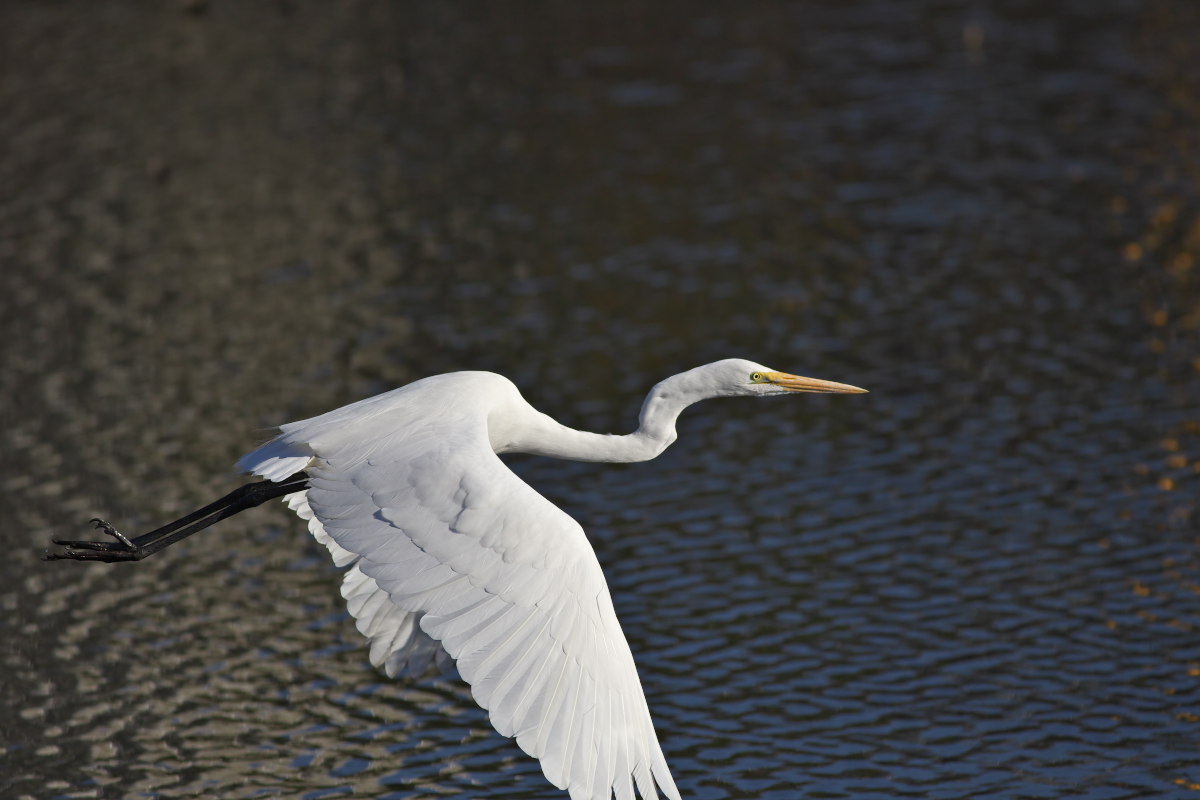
(796, 383)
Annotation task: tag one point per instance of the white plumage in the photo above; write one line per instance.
(452, 555)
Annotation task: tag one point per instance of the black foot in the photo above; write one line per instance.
(120, 550)
(147, 544)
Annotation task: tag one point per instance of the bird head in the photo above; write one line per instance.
(734, 377)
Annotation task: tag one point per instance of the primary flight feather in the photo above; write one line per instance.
(451, 555)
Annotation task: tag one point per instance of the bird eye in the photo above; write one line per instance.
(757, 377)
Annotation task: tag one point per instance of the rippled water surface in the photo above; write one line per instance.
(980, 580)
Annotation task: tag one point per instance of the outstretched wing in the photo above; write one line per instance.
(444, 537)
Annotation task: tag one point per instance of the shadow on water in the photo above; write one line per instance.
(979, 580)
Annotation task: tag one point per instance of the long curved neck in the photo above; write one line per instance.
(536, 433)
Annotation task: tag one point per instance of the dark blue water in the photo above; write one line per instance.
(980, 580)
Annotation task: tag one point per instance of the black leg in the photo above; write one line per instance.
(124, 549)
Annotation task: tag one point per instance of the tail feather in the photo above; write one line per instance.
(276, 460)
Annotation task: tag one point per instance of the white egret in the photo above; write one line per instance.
(450, 553)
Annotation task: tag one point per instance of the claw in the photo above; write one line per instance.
(73, 554)
(103, 525)
(82, 550)
(80, 544)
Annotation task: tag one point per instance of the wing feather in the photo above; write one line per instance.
(454, 555)
(457, 631)
(622, 786)
(522, 674)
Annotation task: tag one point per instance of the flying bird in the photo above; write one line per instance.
(451, 555)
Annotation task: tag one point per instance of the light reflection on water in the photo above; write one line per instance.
(979, 580)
